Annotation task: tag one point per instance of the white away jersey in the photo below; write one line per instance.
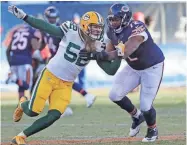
(67, 64)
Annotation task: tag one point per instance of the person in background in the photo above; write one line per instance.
(21, 41)
(148, 21)
(139, 16)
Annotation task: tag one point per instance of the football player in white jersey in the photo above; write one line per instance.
(55, 81)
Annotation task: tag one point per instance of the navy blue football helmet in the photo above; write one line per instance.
(119, 13)
(51, 14)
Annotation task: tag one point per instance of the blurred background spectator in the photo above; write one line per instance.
(76, 18)
(148, 21)
(139, 16)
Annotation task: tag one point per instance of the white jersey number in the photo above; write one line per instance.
(20, 37)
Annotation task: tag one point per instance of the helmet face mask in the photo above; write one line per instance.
(119, 16)
(92, 25)
(51, 15)
(114, 22)
(52, 20)
(95, 31)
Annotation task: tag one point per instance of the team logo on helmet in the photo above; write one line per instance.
(125, 9)
(86, 17)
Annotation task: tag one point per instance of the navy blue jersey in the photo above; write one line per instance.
(21, 48)
(52, 42)
(148, 53)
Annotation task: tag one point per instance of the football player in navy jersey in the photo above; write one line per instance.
(24, 41)
(130, 40)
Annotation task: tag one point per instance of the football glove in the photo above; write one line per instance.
(120, 48)
(19, 13)
(93, 55)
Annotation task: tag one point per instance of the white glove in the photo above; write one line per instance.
(19, 13)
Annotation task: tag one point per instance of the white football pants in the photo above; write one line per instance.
(128, 79)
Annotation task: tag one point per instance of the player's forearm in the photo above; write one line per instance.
(110, 67)
(127, 54)
(112, 55)
(130, 49)
(132, 45)
(44, 26)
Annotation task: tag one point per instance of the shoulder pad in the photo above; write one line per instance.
(65, 26)
(68, 25)
(137, 27)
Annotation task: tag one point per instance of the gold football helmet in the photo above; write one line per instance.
(92, 24)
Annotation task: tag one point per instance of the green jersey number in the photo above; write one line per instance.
(73, 26)
(71, 56)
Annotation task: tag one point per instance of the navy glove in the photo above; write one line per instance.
(84, 54)
(93, 55)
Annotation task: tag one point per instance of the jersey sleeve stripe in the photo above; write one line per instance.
(138, 30)
(66, 26)
(65, 30)
(144, 34)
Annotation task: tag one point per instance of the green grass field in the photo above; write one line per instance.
(104, 123)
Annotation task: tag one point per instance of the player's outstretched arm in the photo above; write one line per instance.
(44, 26)
(36, 23)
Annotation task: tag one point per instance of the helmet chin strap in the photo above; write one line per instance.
(118, 30)
(93, 37)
